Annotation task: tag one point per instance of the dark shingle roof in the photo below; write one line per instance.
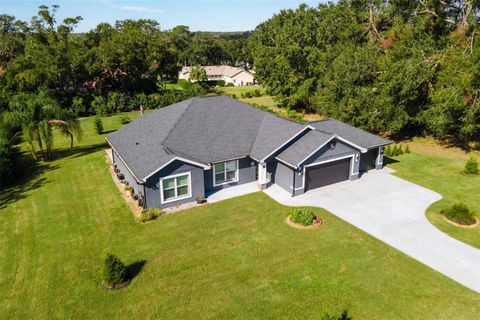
(303, 147)
(355, 135)
(201, 129)
(213, 129)
(273, 132)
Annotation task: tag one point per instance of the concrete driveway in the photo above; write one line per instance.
(393, 210)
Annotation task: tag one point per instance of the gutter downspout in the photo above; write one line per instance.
(144, 197)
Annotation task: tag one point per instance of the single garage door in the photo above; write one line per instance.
(327, 173)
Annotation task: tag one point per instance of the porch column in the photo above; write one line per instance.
(379, 160)
(262, 175)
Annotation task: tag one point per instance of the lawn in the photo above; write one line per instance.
(232, 259)
(440, 169)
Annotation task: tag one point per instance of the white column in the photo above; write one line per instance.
(262, 174)
(379, 160)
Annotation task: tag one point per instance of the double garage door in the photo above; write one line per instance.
(327, 173)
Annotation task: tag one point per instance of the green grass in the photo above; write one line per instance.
(232, 259)
(445, 176)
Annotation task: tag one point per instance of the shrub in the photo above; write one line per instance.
(149, 214)
(400, 150)
(471, 166)
(302, 216)
(182, 83)
(407, 149)
(459, 213)
(99, 104)
(294, 115)
(257, 93)
(124, 120)
(98, 125)
(114, 271)
(230, 84)
(221, 83)
(387, 151)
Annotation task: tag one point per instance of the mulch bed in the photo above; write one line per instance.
(315, 225)
(467, 226)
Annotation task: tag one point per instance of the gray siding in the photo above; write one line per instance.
(284, 178)
(368, 159)
(246, 173)
(137, 188)
(152, 185)
(341, 149)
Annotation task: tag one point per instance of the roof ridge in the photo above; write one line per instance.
(175, 124)
(257, 133)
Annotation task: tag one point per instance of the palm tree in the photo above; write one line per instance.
(37, 116)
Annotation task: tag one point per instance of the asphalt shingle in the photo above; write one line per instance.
(357, 136)
(303, 147)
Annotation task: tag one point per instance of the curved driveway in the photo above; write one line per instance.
(393, 210)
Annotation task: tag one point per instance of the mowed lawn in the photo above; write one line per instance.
(441, 170)
(233, 259)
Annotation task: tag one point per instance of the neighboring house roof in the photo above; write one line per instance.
(304, 147)
(357, 136)
(222, 70)
(201, 129)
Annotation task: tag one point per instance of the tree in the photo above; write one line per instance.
(114, 271)
(198, 74)
(38, 115)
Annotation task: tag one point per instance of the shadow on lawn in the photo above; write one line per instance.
(29, 173)
(388, 160)
(134, 269)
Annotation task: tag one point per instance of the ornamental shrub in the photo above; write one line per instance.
(459, 213)
(149, 214)
(125, 120)
(387, 151)
(98, 125)
(471, 166)
(114, 271)
(407, 149)
(400, 150)
(302, 216)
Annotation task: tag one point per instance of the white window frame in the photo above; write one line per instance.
(189, 187)
(225, 173)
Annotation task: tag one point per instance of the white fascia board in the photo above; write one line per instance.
(203, 166)
(286, 142)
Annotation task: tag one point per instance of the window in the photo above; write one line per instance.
(175, 187)
(225, 172)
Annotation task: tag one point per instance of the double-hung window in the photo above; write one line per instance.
(225, 172)
(176, 187)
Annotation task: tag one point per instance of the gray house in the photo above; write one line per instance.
(201, 145)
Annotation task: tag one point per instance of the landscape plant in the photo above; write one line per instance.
(459, 213)
(114, 271)
(302, 216)
(98, 125)
(471, 166)
(149, 215)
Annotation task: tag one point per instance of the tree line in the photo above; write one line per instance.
(394, 67)
(49, 75)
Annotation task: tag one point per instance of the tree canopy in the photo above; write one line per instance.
(395, 67)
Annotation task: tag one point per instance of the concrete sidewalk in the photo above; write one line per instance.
(393, 210)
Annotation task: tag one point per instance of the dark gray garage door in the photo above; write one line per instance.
(328, 173)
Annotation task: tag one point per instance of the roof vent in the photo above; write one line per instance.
(136, 143)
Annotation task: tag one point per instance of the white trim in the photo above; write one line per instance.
(379, 155)
(296, 188)
(352, 165)
(189, 186)
(237, 174)
(128, 168)
(204, 166)
(286, 163)
(286, 142)
(315, 151)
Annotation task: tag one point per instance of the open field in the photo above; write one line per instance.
(233, 259)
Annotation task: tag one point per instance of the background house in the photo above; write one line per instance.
(236, 75)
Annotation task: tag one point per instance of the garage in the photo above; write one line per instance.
(327, 173)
